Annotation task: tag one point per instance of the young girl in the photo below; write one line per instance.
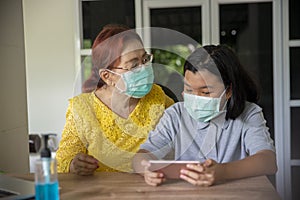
(218, 124)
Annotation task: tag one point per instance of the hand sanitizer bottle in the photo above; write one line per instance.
(46, 182)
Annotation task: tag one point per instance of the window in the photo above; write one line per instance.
(94, 16)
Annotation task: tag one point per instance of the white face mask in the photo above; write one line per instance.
(203, 109)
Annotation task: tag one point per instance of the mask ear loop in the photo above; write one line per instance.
(113, 84)
(225, 103)
(103, 70)
(223, 92)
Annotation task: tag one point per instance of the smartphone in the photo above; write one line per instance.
(170, 168)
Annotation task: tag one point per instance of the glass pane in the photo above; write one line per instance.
(95, 15)
(295, 134)
(247, 28)
(294, 8)
(295, 183)
(86, 67)
(295, 72)
(185, 20)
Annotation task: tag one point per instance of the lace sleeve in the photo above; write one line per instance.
(70, 144)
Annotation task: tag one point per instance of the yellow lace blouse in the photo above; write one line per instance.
(91, 127)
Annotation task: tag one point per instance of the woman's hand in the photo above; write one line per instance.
(83, 164)
(205, 174)
(152, 178)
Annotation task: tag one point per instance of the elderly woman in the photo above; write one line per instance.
(106, 125)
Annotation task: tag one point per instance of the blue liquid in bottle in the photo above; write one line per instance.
(46, 182)
(47, 191)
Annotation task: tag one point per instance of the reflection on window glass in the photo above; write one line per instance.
(167, 57)
(96, 14)
(247, 28)
(234, 21)
(86, 67)
(295, 183)
(295, 72)
(295, 134)
(294, 8)
(172, 52)
(186, 20)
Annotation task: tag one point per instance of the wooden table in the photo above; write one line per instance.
(132, 186)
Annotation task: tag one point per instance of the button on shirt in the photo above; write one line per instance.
(221, 140)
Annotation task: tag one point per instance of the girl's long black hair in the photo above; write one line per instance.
(222, 61)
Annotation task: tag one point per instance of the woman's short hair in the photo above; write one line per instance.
(223, 62)
(106, 52)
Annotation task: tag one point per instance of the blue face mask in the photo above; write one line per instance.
(203, 109)
(137, 82)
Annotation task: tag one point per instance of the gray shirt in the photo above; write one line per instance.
(221, 140)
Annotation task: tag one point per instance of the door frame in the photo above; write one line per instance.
(146, 5)
(282, 143)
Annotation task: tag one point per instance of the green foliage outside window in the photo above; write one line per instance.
(172, 56)
(171, 60)
(87, 43)
(86, 64)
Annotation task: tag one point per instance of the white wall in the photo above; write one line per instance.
(14, 150)
(50, 39)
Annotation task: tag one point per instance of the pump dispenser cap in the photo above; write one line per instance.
(45, 152)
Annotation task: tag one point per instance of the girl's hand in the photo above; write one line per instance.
(152, 178)
(205, 174)
(83, 164)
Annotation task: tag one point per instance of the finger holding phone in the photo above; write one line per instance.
(151, 177)
(205, 174)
